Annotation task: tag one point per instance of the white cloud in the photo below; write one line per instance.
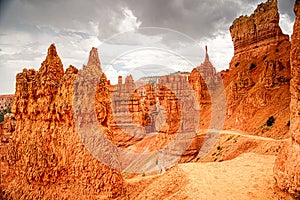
(129, 22)
(286, 24)
(28, 48)
(220, 50)
(112, 74)
(25, 36)
(147, 62)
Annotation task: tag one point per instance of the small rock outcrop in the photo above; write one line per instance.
(94, 58)
(46, 152)
(5, 101)
(287, 166)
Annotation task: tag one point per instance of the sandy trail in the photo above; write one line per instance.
(238, 133)
(249, 176)
(246, 177)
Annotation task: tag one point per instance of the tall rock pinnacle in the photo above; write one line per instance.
(206, 54)
(207, 64)
(94, 58)
(52, 51)
(52, 66)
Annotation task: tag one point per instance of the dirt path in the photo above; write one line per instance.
(242, 175)
(229, 132)
(249, 176)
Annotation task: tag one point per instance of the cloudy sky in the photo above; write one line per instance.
(162, 35)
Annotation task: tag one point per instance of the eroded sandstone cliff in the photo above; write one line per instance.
(49, 156)
(46, 152)
(287, 166)
(257, 34)
(257, 83)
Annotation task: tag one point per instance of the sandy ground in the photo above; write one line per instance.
(249, 176)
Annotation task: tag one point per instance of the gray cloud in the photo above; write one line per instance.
(27, 27)
(286, 7)
(196, 18)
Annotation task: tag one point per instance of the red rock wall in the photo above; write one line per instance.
(287, 166)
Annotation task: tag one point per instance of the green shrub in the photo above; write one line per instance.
(252, 66)
(1, 117)
(264, 58)
(270, 121)
(5, 111)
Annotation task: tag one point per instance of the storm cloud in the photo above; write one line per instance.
(28, 27)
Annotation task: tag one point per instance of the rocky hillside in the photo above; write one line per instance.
(257, 82)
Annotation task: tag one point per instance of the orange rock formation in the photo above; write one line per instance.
(46, 153)
(287, 166)
(257, 83)
(54, 110)
(257, 34)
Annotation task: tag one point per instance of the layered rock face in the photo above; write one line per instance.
(258, 33)
(287, 166)
(147, 117)
(257, 82)
(46, 152)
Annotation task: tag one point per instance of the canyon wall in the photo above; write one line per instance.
(287, 166)
(257, 82)
(46, 153)
(148, 116)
